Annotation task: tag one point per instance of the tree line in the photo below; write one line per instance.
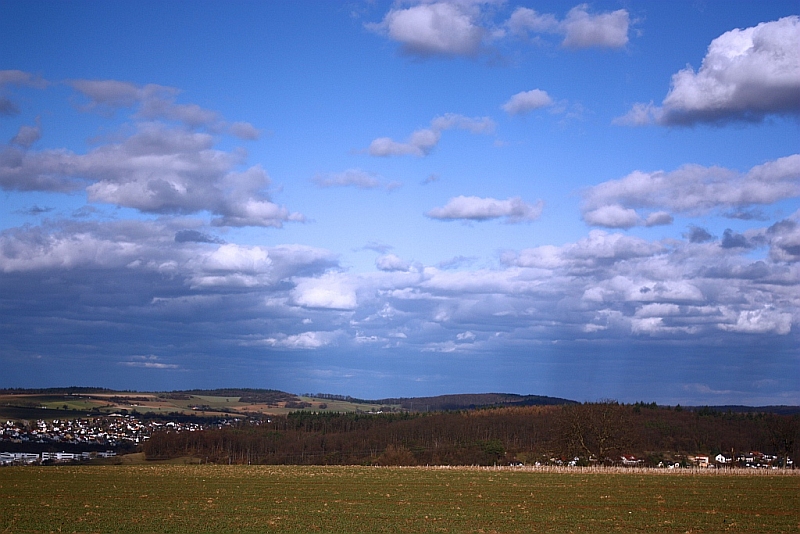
(597, 432)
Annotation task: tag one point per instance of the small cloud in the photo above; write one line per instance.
(148, 362)
(612, 216)
(456, 262)
(423, 141)
(659, 218)
(349, 178)
(514, 209)
(430, 179)
(698, 235)
(605, 30)
(439, 28)
(245, 131)
(303, 341)
(378, 247)
(34, 210)
(466, 336)
(731, 239)
(7, 107)
(27, 135)
(391, 262)
(527, 101)
(195, 236)
(753, 214)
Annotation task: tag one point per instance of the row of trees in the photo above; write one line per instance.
(602, 431)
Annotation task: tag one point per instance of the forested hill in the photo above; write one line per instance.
(469, 401)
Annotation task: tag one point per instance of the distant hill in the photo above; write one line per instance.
(737, 408)
(464, 401)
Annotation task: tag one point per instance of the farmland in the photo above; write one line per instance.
(65, 404)
(209, 498)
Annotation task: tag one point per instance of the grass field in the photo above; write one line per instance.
(207, 498)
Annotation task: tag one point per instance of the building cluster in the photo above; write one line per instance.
(752, 460)
(111, 432)
(28, 458)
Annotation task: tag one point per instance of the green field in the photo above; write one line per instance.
(207, 498)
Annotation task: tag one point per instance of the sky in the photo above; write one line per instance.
(381, 199)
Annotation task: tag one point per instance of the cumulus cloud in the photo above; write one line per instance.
(760, 321)
(456, 28)
(391, 262)
(698, 235)
(731, 239)
(580, 28)
(514, 209)
(525, 20)
(422, 142)
(438, 28)
(605, 30)
(332, 291)
(527, 101)
(692, 189)
(157, 170)
(27, 135)
(746, 75)
(612, 216)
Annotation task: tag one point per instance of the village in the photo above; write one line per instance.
(103, 436)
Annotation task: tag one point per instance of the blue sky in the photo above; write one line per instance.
(413, 198)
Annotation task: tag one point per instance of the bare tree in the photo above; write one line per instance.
(600, 430)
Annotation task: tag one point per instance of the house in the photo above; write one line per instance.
(629, 460)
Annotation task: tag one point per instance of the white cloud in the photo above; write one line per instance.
(148, 362)
(465, 28)
(466, 336)
(580, 28)
(760, 321)
(350, 177)
(658, 218)
(514, 209)
(332, 290)
(304, 341)
(422, 142)
(746, 75)
(524, 20)
(391, 262)
(527, 101)
(156, 170)
(27, 135)
(439, 28)
(692, 189)
(612, 216)
(605, 30)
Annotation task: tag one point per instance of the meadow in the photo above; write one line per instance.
(213, 498)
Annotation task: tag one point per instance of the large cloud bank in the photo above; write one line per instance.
(746, 75)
